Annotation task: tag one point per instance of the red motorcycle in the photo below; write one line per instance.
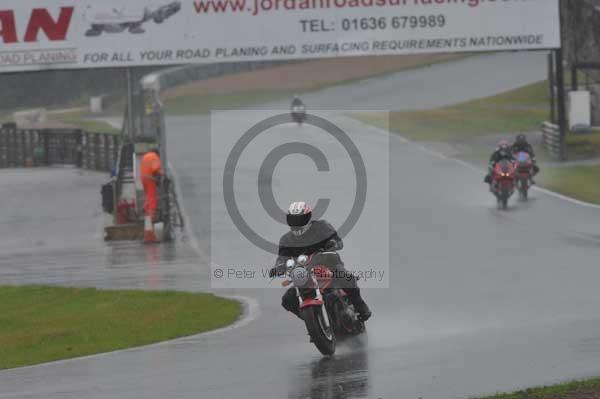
(503, 182)
(524, 171)
(326, 310)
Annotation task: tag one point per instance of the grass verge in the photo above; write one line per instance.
(583, 146)
(81, 120)
(41, 324)
(580, 182)
(519, 110)
(586, 389)
(475, 126)
(204, 103)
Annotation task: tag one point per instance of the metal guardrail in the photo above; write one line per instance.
(551, 137)
(43, 147)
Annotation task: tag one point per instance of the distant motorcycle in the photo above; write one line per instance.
(503, 182)
(299, 114)
(523, 173)
(326, 310)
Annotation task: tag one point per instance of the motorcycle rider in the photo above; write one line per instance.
(296, 102)
(308, 236)
(503, 151)
(521, 144)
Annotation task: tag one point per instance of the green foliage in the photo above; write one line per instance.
(52, 89)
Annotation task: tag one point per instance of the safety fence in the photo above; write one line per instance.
(552, 141)
(44, 147)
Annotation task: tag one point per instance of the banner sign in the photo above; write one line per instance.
(60, 34)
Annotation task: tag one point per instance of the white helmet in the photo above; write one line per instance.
(298, 217)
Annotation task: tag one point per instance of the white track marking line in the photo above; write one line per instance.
(250, 313)
(470, 166)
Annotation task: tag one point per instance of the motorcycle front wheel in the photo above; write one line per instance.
(321, 335)
(504, 199)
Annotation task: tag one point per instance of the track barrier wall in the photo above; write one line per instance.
(44, 147)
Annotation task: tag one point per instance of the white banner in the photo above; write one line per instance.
(57, 34)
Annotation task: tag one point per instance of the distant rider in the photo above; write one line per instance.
(503, 151)
(521, 144)
(308, 237)
(296, 102)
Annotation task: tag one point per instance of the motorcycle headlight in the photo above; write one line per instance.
(299, 276)
(302, 259)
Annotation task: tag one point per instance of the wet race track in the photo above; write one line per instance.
(479, 301)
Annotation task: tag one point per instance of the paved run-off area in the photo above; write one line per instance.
(480, 301)
(51, 229)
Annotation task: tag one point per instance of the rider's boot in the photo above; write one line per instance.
(364, 313)
(290, 303)
(536, 170)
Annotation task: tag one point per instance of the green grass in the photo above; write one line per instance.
(204, 103)
(40, 324)
(523, 109)
(571, 390)
(581, 182)
(582, 146)
(80, 120)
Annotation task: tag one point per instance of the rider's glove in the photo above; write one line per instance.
(278, 270)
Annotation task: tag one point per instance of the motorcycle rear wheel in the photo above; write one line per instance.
(523, 189)
(321, 336)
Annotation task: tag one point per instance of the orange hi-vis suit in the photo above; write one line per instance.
(150, 168)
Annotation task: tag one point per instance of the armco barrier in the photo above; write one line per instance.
(43, 147)
(552, 142)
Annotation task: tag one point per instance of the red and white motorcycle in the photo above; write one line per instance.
(326, 309)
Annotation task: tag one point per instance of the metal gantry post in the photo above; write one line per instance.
(551, 92)
(129, 105)
(562, 117)
(560, 83)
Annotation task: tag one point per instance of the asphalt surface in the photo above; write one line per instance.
(52, 233)
(480, 301)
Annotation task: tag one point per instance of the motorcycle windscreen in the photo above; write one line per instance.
(523, 157)
(327, 259)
